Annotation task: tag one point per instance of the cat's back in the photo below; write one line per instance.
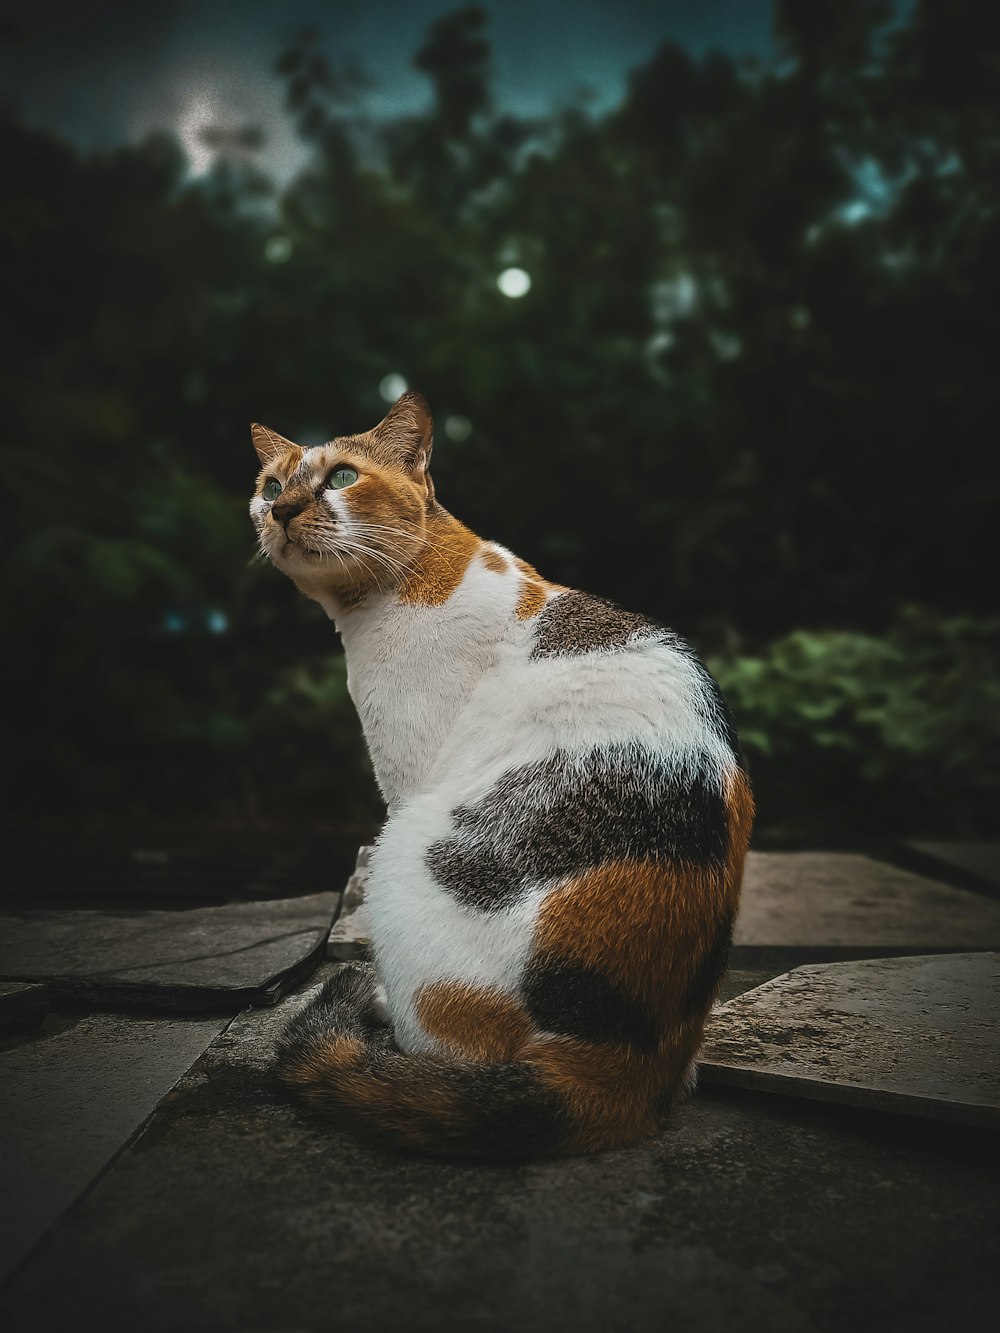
(581, 673)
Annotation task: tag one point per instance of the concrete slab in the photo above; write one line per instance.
(349, 937)
(237, 1211)
(981, 859)
(918, 1036)
(22, 1005)
(842, 904)
(182, 961)
(71, 1096)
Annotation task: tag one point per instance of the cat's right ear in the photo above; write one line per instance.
(406, 433)
(270, 445)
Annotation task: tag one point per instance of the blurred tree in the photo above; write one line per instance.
(456, 57)
(749, 389)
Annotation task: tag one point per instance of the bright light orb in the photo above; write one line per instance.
(514, 282)
(391, 387)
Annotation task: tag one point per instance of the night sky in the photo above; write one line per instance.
(103, 72)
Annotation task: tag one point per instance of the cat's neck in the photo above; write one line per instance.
(430, 576)
(416, 652)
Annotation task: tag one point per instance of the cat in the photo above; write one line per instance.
(552, 896)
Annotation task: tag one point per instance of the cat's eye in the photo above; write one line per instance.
(272, 489)
(341, 477)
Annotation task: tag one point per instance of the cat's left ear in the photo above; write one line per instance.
(270, 445)
(406, 433)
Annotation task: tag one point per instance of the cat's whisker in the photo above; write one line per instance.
(372, 573)
(379, 534)
(393, 566)
(412, 534)
(438, 547)
(344, 545)
(356, 537)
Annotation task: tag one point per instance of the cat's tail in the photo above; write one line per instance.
(342, 1063)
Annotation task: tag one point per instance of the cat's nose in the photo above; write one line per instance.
(283, 511)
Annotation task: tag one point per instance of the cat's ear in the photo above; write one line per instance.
(406, 433)
(270, 445)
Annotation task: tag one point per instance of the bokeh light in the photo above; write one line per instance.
(514, 282)
(391, 387)
(457, 428)
(278, 249)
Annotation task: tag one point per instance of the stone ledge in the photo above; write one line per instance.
(916, 1036)
(853, 904)
(204, 959)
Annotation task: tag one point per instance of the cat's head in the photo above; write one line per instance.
(347, 518)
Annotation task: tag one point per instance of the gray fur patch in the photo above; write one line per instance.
(574, 622)
(345, 1007)
(569, 813)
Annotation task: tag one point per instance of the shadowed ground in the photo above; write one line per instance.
(233, 1210)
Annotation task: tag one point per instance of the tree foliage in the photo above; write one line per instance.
(750, 391)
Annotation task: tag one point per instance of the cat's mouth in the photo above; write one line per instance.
(295, 547)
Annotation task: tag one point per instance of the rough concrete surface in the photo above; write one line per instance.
(204, 958)
(71, 1096)
(237, 1211)
(918, 1036)
(845, 901)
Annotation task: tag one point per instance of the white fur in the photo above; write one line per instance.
(450, 699)
(411, 670)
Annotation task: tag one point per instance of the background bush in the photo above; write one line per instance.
(858, 735)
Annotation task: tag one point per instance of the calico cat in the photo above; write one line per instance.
(552, 897)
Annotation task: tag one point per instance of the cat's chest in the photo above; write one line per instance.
(407, 705)
(411, 671)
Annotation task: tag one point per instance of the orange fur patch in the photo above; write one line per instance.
(493, 560)
(646, 925)
(336, 1055)
(611, 1094)
(345, 1074)
(534, 591)
(441, 564)
(476, 1023)
(649, 928)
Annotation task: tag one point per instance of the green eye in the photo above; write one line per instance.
(272, 489)
(341, 477)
